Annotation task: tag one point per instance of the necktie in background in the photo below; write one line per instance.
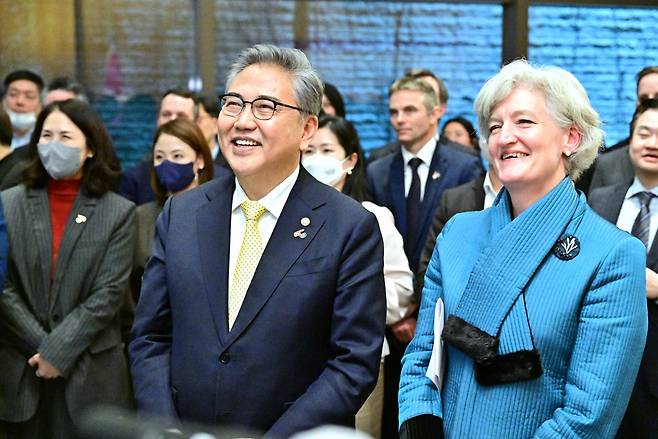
(413, 207)
(641, 225)
(250, 253)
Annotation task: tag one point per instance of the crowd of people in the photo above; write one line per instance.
(256, 269)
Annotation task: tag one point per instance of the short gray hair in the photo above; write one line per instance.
(430, 99)
(566, 102)
(307, 86)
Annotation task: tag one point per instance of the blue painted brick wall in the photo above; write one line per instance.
(362, 46)
(604, 48)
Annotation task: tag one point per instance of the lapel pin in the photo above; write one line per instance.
(435, 175)
(305, 221)
(567, 247)
(301, 233)
(80, 219)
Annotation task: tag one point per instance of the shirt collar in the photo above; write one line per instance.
(637, 187)
(274, 201)
(425, 153)
(488, 187)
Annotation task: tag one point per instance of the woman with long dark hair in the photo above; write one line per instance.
(70, 242)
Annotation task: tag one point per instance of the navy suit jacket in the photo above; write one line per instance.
(449, 168)
(305, 348)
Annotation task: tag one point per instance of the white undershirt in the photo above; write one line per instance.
(273, 203)
(425, 155)
(631, 207)
(490, 193)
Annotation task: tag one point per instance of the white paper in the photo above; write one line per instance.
(437, 362)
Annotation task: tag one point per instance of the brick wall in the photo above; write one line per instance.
(361, 47)
(604, 48)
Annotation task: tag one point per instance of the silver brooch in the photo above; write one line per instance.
(567, 248)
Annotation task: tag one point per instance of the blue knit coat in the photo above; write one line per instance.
(588, 319)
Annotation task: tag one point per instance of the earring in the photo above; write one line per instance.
(349, 172)
(90, 155)
(568, 153)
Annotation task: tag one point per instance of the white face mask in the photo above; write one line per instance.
(325, 168)
(22, 121)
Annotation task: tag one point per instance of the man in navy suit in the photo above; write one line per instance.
(414, 114)
(301, 346)
(410, 183)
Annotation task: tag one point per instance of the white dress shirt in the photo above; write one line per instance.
(273, 202)
(490, 193)
(425, 155)
(398, 279)
(631, 207)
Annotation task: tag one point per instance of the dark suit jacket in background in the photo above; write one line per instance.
(612, 168)
(393, 147)
(305, 348)
(386, 186)
(73, 319)
(464, 198)
(641, 419)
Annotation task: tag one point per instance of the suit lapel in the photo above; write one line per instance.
(612, 207)
(82, 211)
(282, 250)
(37, 202)
(477, 200)
(214, 235)
(437, 169)
(396, 189)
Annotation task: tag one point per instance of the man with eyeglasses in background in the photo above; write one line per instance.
(263, 304)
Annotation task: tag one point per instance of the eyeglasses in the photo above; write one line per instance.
(261, 108)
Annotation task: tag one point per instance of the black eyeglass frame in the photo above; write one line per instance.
(251, 103)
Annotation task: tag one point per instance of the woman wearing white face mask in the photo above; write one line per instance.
(181, 161)
(334, 157)
(70, 242)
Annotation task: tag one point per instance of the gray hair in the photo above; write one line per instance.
(430, 99)
(307, 86)
(566, 102)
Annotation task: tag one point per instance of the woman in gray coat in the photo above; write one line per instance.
(70, 245)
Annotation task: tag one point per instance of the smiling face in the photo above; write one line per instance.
(263, 153)
(526, 145)
(643, 149)
(413, 123)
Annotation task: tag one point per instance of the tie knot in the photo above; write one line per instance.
(414, 163)
(645, 197)
(252, 209)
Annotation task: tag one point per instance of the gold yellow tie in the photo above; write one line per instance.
(250, 253)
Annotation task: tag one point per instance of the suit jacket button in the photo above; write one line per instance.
(55, 318)
(225, 358)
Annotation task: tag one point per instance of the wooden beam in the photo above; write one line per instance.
(515, 30)
(204, 32)
(39, 36)
(300, 26)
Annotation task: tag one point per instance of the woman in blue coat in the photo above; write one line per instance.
(544, 302)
